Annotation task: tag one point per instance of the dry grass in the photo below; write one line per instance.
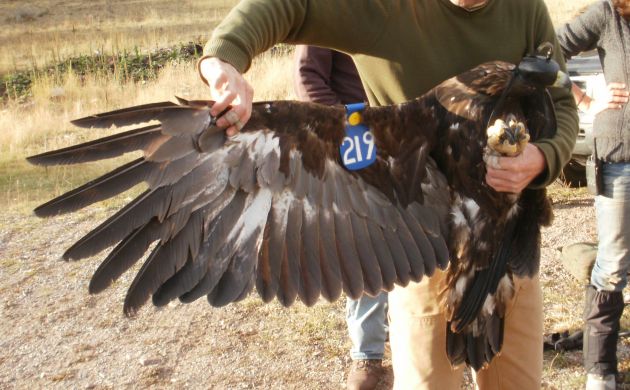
(44, 123)
(46, 31)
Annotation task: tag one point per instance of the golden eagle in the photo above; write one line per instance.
(275, 207)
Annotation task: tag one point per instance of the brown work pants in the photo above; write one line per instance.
(417, 329)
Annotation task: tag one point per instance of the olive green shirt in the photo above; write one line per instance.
(403, 48)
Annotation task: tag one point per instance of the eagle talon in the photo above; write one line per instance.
(507, 137)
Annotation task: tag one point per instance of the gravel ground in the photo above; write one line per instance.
(55, 335)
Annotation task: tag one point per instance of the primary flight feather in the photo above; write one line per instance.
(274, 207)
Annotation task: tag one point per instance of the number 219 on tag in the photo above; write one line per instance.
(357, 149)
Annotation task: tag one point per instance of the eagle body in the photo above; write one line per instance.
(273, 208)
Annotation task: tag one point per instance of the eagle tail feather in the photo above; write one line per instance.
(524, 260)
(477, 350)
(455, 347)
(485, 281)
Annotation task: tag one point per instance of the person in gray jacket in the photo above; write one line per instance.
(605, 26)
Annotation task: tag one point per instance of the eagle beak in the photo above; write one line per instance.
(562, 80)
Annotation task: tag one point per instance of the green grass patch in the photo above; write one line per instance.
(126, 66)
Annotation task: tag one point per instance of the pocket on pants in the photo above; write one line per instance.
(521, 287)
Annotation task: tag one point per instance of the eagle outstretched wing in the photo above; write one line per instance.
(274, 208)
(270, 207)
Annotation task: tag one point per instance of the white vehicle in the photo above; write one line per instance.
(586, 72)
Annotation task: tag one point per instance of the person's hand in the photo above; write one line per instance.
(513, 174)
(616, 96)
(227, 88)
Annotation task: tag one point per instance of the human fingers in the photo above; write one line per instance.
(243, 111)
(229, 90)
(616, 86)
(513, 174)
(617, 95)
(506, 181)
(232, 121)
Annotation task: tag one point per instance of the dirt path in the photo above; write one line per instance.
(55, 335)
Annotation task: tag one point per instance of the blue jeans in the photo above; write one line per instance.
(367, 326)
(610, 272)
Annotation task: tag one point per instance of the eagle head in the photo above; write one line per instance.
(507, 137)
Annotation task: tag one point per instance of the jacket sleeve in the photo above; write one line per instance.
(313, 71)
(557, 150)
(254, 26)
(583, 32)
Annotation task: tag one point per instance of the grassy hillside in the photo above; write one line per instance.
(37, 33)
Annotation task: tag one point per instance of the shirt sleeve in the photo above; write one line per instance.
(313, 71)
(254, 26)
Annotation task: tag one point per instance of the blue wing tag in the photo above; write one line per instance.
(357, 149)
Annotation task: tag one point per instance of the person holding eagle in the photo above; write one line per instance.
(402, 49)
(435, 191)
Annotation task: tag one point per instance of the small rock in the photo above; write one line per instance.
(146, 361)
